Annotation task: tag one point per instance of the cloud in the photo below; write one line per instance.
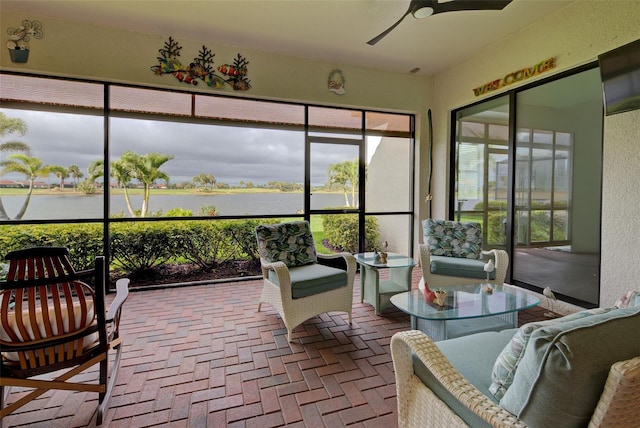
(230, 153)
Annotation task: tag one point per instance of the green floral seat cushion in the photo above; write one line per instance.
(453, 238)
(291, 243)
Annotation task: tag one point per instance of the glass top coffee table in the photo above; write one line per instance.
(467, 310)
(375, 290)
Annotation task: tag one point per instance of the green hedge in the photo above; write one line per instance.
(84, 240)
(341, 232)
(139, 246)
(539, 221)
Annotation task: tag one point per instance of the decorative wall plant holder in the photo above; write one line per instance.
(336, 82)
(19, 37)
(19, 55)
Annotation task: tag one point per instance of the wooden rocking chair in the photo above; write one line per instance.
(52, 321)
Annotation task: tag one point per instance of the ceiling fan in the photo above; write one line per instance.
(425, 8)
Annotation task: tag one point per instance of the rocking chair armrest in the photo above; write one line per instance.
(87, 273)
(122, 292)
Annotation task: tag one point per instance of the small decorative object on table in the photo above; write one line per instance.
(487, 288)
(383, 253)
(488, 268)
(441, 297)
(429, 296)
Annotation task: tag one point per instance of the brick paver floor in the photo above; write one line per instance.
(201, 356)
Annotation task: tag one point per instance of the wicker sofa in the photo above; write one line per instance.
(576, 371)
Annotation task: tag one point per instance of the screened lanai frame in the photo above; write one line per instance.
(115, 101)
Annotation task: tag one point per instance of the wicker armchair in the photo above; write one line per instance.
(452, 255)
(297, 283)
(435, 281)
(419, 406)
(55, 326)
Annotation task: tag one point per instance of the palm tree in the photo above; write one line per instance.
(146, 169)
(338, 178)
(94, 171)
(198, 178)
(211, 180)
(9, 126)
(121, 172)
(61, 172)
(205, 179)
(76, 174)
(31, 167)
(345, 175)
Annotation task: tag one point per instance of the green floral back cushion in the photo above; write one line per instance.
(291, 243)
(453, 238)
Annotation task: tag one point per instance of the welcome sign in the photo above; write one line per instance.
(516, 76)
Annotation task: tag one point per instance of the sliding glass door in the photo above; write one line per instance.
(533, 179)
(558, 178)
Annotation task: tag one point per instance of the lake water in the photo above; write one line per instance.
(48, 207)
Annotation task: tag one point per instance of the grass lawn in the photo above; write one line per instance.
(318, 235)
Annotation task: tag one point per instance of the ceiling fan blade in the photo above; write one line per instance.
(458, 5)
(388, 30)
(434, 6)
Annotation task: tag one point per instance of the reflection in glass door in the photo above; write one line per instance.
(482, 169)
(558, 187)
(543, 188)
(534, 182)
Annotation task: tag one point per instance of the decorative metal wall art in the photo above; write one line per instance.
(19, 37)
(336, 82)
(202, 69)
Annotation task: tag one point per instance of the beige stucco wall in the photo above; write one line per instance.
(89, 51)
(620, 206)
(574, 36)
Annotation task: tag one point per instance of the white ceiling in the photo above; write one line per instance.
(334, 31)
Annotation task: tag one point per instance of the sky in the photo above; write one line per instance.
(231, 154)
